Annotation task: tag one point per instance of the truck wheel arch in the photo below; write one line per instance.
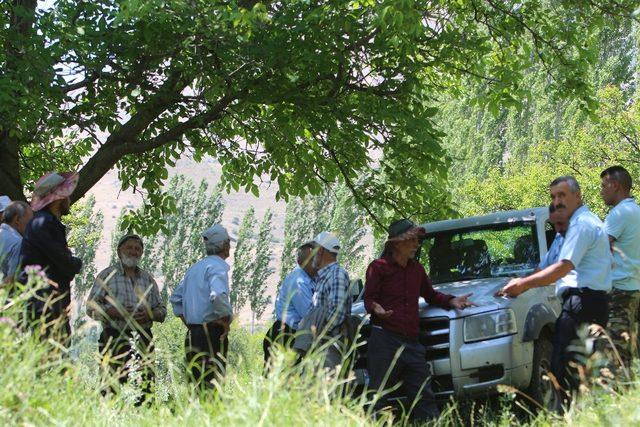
(539, 317)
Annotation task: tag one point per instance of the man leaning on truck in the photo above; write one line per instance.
(394, 283)
(582, 274)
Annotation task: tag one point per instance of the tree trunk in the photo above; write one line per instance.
(20, 22)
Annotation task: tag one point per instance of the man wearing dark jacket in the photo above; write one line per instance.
(45, 245)
(394, 283)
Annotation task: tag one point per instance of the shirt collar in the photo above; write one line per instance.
(120, 268)
(304, 274)
(391, 260)
(10, 229)
(218, 260)
(327, 267)
(46, 212)
(577, 213)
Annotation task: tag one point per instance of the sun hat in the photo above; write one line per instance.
(51, 187)
(404, 229)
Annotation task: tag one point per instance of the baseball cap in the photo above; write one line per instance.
(328, 241)
(4, 202)
(216, 234)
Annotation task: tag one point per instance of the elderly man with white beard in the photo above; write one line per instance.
(126, 300)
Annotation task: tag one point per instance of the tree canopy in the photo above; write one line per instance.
(301, 93)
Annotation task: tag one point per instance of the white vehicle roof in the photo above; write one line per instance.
(530, 215)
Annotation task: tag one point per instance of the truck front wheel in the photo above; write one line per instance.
(540, 388)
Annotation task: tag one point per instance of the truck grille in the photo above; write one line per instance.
(434, 335)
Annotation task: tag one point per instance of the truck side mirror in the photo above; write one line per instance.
(356, 288)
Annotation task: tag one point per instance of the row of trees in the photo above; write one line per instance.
(170, 252)
(505, 159)
(334, 210)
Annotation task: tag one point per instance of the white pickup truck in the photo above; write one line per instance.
(502, 340)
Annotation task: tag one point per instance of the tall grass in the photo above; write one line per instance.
(44, 383)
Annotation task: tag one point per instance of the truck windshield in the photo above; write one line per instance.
(496, 250)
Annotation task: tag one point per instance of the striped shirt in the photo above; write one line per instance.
(332, 293)
(113, 288)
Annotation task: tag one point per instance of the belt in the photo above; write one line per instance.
(398, 335)
(583, 291)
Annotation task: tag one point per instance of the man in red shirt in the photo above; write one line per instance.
(394, 283)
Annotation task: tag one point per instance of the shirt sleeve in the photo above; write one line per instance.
(614, 224)
(219, 294)
(13, 259)
(576, 244)
(158, 308)
(44, 238)
(97, 304)
(373, 280)
(432, 296)
(176, 299)
(301, 297)
(337, 295)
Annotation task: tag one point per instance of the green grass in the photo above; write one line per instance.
(45, 384)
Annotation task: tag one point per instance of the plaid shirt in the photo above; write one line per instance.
(113, 288)
(332, 293)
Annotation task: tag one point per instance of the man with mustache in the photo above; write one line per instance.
(582, 274)
(126, 300)
(622, 225)
(560, 226)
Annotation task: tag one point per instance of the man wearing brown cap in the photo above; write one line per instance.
(45, 244)
(394, 283)
(126, 300)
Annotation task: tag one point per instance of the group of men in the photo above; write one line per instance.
(585, 261)
(394, 284)
(595, 267)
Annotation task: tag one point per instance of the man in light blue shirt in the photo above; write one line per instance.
(202, 302)
(560, 225)
(293, 302)
(582, 275)
(622, 225)
(16, 217)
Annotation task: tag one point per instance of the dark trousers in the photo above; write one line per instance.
(46, 315)
(410, 368)
(124, 348)
(206, 353)
(579, 307)
(280, 333)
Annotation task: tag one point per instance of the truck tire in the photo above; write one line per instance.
(541, 389)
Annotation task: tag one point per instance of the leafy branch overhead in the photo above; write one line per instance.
(300, 93)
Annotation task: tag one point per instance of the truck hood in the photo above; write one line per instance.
(483, 291)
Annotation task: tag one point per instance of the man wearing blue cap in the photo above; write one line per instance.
(202, 302)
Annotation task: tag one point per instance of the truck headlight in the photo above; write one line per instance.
(490, 325)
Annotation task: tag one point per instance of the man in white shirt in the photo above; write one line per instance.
(202, 302)
(622, 225)
(560, 225)
(584, 265)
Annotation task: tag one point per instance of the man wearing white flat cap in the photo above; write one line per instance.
(332, 289)
(45, 244)
(202, 302)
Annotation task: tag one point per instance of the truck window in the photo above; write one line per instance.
(495, 250)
